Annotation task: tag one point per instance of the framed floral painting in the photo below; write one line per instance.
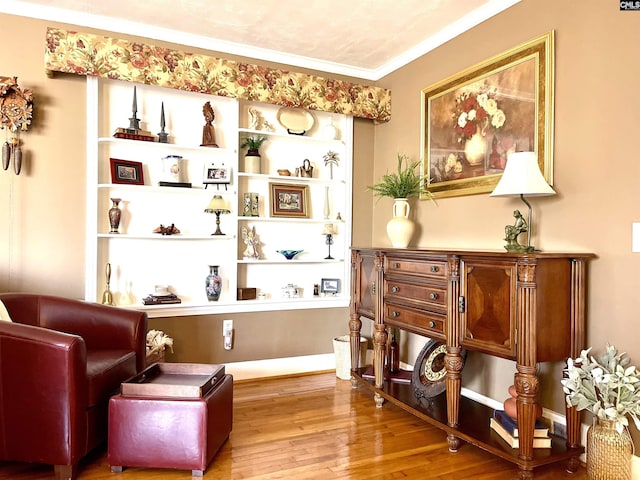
(473, 120)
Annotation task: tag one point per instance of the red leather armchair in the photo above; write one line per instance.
(60, 362)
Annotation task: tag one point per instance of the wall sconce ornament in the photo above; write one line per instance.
(16, 110)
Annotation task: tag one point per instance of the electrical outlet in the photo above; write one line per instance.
(227, 334)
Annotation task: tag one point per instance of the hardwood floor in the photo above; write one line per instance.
(318, 427)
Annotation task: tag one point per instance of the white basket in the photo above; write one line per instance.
(342, 350)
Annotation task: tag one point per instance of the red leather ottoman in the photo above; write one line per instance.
(160, 426)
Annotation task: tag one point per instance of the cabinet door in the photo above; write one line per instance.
(366, 284)
(489, 317)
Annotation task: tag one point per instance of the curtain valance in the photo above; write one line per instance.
(89, 54)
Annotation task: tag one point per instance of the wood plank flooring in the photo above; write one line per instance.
(318, 427)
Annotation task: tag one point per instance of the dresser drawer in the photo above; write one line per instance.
(430, 324)
(433, 297)
(426, 268)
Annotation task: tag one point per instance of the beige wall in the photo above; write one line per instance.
(596, 170)
(42, 216)
(596, 167)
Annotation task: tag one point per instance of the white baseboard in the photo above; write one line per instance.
(274, 367)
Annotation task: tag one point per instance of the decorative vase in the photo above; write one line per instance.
(400, 228)
(252, 161)
(608, 452)
(213, 284)
(114, 216)
(330, 132)
(475, 149)
(327, 207)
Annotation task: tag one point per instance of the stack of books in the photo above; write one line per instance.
(154, 299)
(507, 428)
(134, 134)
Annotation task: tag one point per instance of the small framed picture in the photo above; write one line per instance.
(289, 200)
(330, 286)
(216, 174)
(126, 172)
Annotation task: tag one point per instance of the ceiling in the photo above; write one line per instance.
(361, 38)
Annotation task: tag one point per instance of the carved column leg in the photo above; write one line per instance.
(578, 288)
(526, 380)
(380, 333)
(355, 326)
(379, 347)
(453, 359)
(453, 364)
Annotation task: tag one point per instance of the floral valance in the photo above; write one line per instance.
(89, 54)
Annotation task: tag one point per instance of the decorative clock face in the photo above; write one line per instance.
(16, 104)
(428, 378)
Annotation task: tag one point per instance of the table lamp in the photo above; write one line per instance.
(521, 177)
(329, 230)
(218, 206)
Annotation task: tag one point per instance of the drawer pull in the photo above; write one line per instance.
(396, 265)
(432, 324)
(395, 314)
(433, 296)
(395, 289)
(434, 268)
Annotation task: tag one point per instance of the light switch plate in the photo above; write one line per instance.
(635, 237)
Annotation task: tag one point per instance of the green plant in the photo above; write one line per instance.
(253, 143)
(606, 386)
(404, 183)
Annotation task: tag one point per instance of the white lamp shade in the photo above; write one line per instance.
(217, 203)
(522, 176)
(329, 229)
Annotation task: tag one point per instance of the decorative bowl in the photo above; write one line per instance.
(289, 254)
(284, 172)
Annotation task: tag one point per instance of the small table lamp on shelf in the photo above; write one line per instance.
(329, 230)
(218, 206)
(522, 176)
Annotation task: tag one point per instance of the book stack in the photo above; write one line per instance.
(507, 428)
(161, 299)
(134, 134)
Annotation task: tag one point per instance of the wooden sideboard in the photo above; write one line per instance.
(528, 308)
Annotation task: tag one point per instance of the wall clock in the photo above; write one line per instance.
(16, 110)
(428, 378)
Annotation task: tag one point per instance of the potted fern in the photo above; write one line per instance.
(401, 185)
(252, 157)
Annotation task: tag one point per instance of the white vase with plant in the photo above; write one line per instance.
(401, 185)
(252, 158)
(609, 388)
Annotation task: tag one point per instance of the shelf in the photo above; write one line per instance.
(287, 219)
(295, 138)
(196, 190)
(240, 306)
(166, 146)
(287, 262)
(157, 236)
(473, 423)
(290, 179)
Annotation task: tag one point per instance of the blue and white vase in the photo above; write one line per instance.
(213, 284)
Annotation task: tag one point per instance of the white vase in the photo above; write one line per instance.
(475, 149)
(400, 228)
(252, 164)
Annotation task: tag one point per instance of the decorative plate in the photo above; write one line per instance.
(428, 378)
(297, 121)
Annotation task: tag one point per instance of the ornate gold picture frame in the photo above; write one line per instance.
(473, 120)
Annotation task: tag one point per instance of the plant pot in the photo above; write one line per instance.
(608, 452)
(400, 228)
(252, 163)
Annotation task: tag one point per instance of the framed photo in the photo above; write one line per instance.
(216, 174)
(473, 120)
(289, 200)
(126, 172)
(330, 286)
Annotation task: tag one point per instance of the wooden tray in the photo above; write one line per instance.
(185, 380)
